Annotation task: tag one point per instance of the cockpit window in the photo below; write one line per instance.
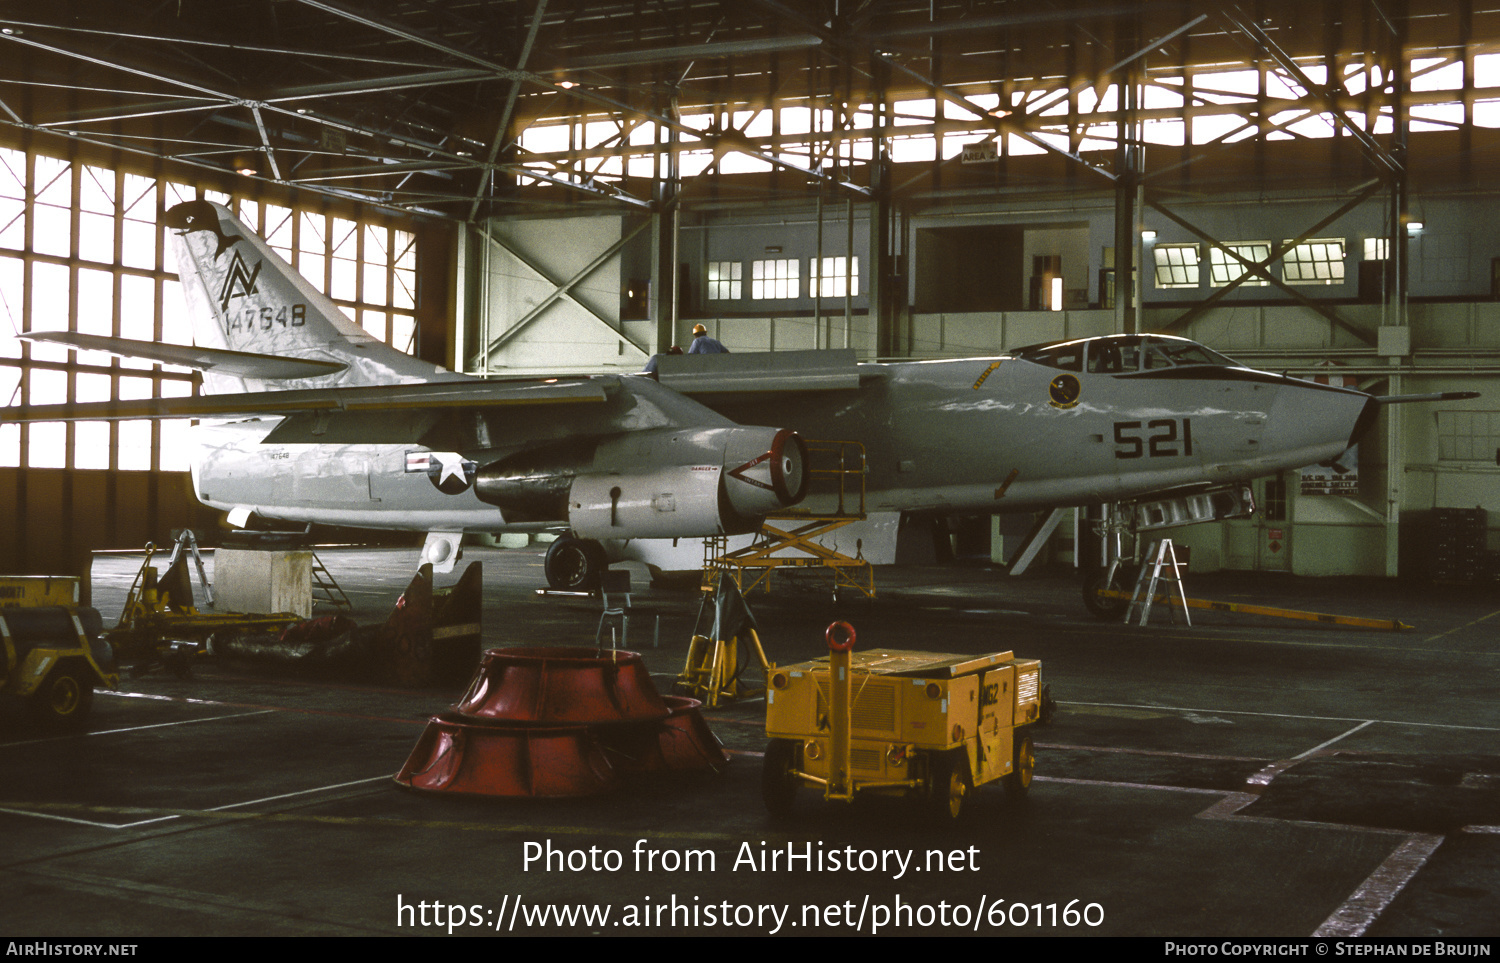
(1123, 354)
(1069, 356)
(1164, 354)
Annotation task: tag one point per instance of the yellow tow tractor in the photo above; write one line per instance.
(51, 654)
(929, 725)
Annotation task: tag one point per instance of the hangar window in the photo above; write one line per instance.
(775, 279)
(827, 279)
(89, 254)
(1226, 268)
(724, 280)
(1177, 265)
(1319, 261)
(1468, 435)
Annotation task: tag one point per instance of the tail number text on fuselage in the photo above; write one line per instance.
(268, 318)
(1158, 438)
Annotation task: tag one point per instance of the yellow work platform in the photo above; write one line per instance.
(837, 469)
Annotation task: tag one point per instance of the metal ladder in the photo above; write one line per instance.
(324, 588)
(187, 541)
(1161, 556)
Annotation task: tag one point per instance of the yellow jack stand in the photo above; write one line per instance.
(712, 670)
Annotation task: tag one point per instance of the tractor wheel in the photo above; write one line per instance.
(1023, 765)
(778, 775)
(64, 700)
(948, 785)
(574, 564)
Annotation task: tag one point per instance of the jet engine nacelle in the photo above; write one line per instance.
(677, 483)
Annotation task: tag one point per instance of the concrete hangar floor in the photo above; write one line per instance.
(1246, 776)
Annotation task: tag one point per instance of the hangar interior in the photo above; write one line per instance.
(510, 187)
(532, 186)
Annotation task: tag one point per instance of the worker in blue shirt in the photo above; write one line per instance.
(703, 344)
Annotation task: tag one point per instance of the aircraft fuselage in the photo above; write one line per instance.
(974, 435)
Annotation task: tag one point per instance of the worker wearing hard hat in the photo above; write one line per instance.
(703, 344)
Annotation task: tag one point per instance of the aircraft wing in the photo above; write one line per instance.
(759, 373)
(372, 398)
(239, 364)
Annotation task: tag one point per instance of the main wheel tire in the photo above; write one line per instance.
(948, 785)
(1023, 765)
(778, 775)
(64, 700)
(574, 564)
(1105, 609)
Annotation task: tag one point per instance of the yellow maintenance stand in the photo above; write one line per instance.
(929, 725)
(790, 539)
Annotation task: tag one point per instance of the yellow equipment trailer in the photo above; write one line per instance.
(51, 660)
(925, 724)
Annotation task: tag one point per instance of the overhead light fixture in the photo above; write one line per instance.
(1413, 227)
(1148, 235)
(567, 84)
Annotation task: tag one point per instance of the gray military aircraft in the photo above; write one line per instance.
(305, 417)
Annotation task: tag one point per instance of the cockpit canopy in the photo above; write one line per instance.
(1123, 354)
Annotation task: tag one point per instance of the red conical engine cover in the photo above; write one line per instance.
(461, 756)
(554, 686)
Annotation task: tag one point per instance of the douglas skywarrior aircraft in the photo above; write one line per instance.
(314, 420)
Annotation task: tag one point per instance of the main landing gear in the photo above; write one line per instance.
(574, 564)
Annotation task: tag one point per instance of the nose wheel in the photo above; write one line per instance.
(1106, 608)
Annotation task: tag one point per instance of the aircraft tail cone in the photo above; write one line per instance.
(556, 686)
(459, 755)
(681, 742)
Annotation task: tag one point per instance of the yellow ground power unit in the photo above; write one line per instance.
(930, 725)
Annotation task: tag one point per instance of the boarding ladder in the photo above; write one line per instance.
(789, 539)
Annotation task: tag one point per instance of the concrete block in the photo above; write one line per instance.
(263, 582)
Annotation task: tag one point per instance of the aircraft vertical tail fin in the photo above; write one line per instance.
(243, 297)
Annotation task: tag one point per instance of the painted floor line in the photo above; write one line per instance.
(81, 822)
(221, 817)
(301, 792)
(1367, 902)
(179, 815)
(1151, 752)
(1434, 638)
(155, 725)
(1128, 785)
(1284, 715)
(262, 707)
(1323, 745)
